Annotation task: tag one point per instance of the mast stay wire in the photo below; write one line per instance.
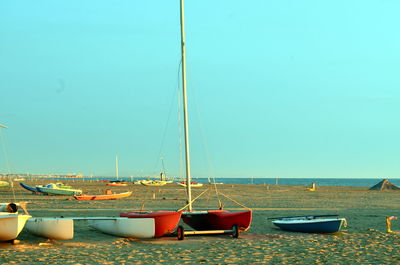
(7, 162)
(168, 120)
(204, 144)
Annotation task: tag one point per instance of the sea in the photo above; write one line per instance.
(351, 182)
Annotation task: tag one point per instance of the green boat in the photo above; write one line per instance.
(53, 189)
(4, 184)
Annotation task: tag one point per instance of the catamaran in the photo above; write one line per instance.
(213, 220)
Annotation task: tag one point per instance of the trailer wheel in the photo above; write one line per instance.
(235, 231)
(181, 233)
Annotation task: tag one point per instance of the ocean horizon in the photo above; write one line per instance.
(352, 182)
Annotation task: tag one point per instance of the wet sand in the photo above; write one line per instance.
(364, 240)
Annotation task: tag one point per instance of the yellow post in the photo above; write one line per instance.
(389, 223)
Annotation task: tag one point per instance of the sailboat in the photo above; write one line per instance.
(137, 224)
(212, 220)
(11, 222)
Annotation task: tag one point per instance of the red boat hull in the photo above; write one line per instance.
(117, 184)
(218, 220)
(165, 221)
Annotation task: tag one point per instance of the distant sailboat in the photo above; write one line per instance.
(212, 219)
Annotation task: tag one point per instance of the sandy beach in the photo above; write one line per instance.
(364, 240)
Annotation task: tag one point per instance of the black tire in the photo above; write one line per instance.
(235, 231)
(180, 233)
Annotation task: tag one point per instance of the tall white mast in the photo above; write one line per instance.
(185, 109)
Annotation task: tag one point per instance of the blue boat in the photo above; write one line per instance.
(311, 223)
(33, 189)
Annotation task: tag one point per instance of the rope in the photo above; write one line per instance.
(187, 205)
(168, 119)
(7, 161)
(238, 203)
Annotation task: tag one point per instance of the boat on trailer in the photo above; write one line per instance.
(137, 224)
(218, 220)
(165, 222)
(311, 223)
(213, 221)
(124, 227)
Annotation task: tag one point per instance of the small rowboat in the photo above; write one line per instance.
(311, 224)
(112, 196)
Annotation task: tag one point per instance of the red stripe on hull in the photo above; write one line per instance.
(165, 221)
(219, 220)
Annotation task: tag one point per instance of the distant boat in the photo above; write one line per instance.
(311, 224)
(55, 190)
(30, 188)
(112, 196)
(117, 184)
(193, 184)
(154, 183)
(4, 183)
(34, 189)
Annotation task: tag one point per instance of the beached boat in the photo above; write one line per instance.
(11, 222)
(165, 222)
(154, 183)
(311, 224)
(194, 184)
(53, 189)
(51, 227)
(111, 196)
(124, 227)
(4, 183)
(213, 219)
(34, 189)
(117, 184)
(27, 187)
(218, 220)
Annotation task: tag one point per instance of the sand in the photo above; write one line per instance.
(364, 241)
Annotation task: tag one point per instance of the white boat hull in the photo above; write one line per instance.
(124, 227)
(11, 224)
(51, 228)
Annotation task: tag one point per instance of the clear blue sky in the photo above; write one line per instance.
(276, 88)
